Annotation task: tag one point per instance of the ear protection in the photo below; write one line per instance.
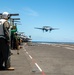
(8, 16)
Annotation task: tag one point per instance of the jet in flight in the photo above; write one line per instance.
(46, 28)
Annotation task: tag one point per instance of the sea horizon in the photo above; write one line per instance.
(53, 42)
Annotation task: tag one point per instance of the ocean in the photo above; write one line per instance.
(53, 42)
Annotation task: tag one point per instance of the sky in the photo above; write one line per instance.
(39, 13)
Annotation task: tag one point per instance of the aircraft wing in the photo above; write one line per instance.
(15, 18)
(55, 28)
(16, 14)
(15, 21)
(38, 28)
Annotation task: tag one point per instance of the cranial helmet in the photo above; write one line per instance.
(5, 15)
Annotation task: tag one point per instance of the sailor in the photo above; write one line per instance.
(4, 42)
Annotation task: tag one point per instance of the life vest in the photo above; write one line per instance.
(2, 28)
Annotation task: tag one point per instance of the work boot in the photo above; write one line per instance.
(10, 68)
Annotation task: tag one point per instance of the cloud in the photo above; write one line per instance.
(30, 12)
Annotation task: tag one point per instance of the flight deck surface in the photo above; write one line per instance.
(43, 59)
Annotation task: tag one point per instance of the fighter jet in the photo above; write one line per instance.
(24, 37)
(46, 28)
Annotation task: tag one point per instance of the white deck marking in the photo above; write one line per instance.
(27, 52)
(38, 67)
(30, 56)
(35, 62)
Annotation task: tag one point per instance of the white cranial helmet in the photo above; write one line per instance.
(5, 15)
